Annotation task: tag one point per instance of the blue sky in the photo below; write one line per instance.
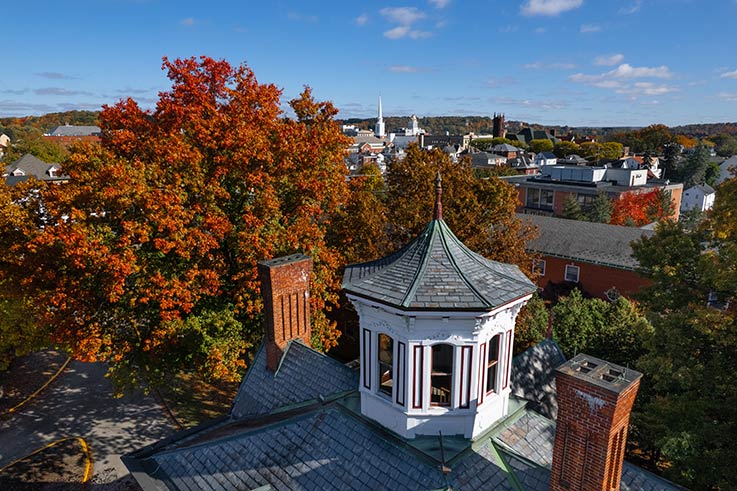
(575, 62)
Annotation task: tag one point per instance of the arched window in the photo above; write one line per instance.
(492, 363)
(441, 378)
(386, 364)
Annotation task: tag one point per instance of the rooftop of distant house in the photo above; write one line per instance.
(74, 130)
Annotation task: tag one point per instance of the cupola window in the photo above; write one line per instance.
(442, 375)
(492, 364)
(386, 364)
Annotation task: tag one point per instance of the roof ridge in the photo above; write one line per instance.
(423, 265)
(458, 270)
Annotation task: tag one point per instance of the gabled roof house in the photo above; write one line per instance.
(436, 402)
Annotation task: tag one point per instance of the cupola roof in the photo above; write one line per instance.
(436, 271)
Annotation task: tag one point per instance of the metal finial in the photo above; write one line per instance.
(438, 214)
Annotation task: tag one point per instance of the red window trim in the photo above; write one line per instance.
(509, 359)
(418, 356)
(402, 375)
(486, 361)
(367, 359)
(482, 373)
(465, 376)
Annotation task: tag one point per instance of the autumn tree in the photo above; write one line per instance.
(147, 258)
(479, 211)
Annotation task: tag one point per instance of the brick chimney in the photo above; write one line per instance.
(285, 286)
(595, 398)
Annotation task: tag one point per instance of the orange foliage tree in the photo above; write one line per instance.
(642, 208)
(147, 258)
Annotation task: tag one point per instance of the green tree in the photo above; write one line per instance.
(564, 148)
(591, 151)
(695, 167)
(611, 150)
(541, 145)
(572, 208)
(39, 147)
(532, 324)
(671, 159)
(601, 209)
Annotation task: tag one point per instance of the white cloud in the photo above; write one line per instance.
(586, 28)
(634, 8)
(728, 96)
(541, 65)
(397, 32)
(189, 21)
(404, 16)
(544, 104)
(440, 4)
(540, 30)
(624, 80)
(549, 7)
(407, 69)
(361, 20)
(509, 28)
(729, 74)
(609, 60)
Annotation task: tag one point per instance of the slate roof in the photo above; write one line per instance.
(704, 188)
(74, 130)
(437, 272)
(533, 377)
(596, 243)
(303, 375)
(33, 166)
(505, 147)
(532, 437)
(330, 445)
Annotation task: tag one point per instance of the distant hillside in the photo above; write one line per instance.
(48, 121)
(706, 129)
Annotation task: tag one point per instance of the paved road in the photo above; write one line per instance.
(80, 403)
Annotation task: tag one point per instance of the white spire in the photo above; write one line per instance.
(379, 130)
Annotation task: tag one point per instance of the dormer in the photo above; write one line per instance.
(436, 334)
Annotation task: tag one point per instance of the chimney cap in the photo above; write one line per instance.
(601, 373)
(280, 261)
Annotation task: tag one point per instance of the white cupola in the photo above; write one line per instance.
(436, 331)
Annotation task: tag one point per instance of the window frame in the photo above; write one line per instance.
(380, 364)
(572, 267)
(492, 363)
(448, 375)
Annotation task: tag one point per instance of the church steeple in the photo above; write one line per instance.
(379, 130)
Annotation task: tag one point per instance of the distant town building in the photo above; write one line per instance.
(380, 129)
(596, 257)
(68, 134)
(545, 193)
(498, 127)
(28, 167)
(699, 197)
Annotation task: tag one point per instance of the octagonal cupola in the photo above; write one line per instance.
(436, 330)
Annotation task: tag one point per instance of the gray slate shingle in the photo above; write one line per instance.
(326, 449)
(597, 243)
(304, 375)
(437, 272)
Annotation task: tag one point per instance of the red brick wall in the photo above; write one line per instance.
(590, 437)
(594, 279)
(285, 286)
